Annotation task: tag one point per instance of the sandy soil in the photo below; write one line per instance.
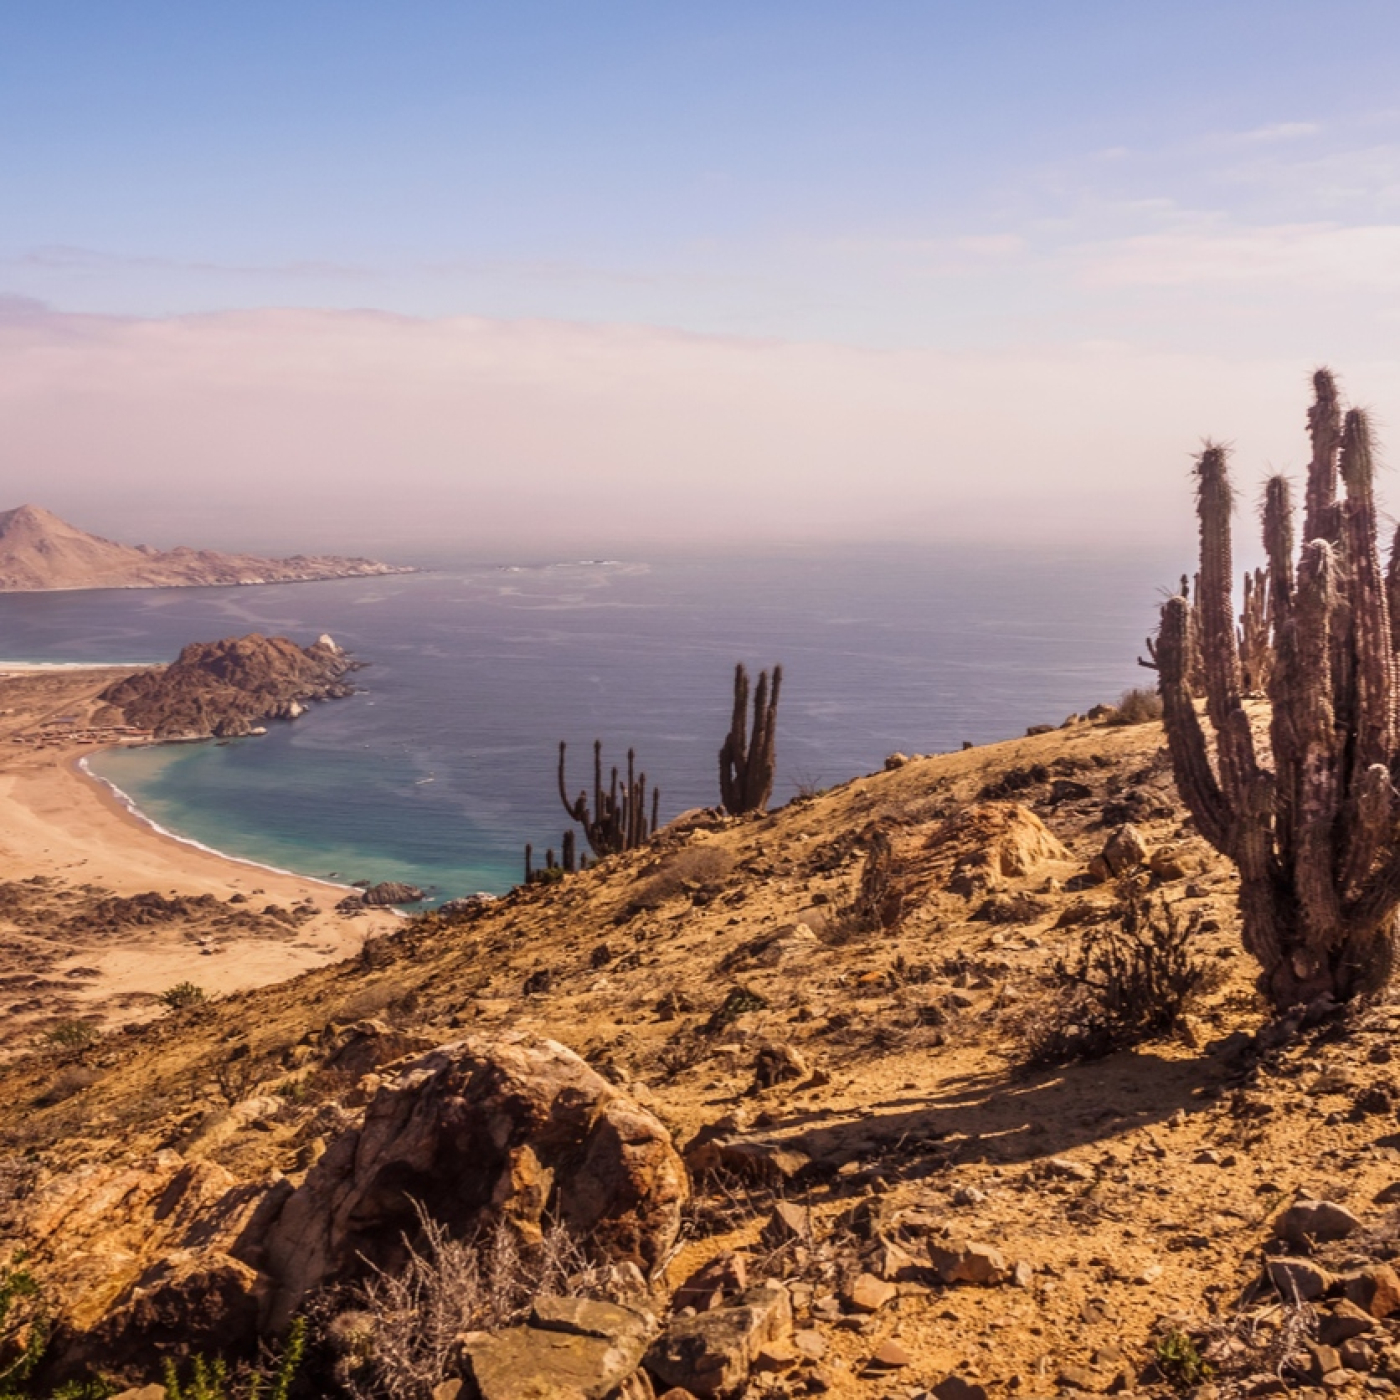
(76, 940)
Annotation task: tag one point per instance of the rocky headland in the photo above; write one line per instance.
(39, 552)
(228, 688)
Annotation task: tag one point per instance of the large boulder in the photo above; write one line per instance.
(490, 1128)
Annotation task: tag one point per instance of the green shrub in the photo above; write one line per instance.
(181, 995)
(72, 1035)
(1180, 1361)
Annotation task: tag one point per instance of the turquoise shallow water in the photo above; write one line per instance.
(444, 766)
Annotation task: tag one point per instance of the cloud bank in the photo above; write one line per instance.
(362, 430)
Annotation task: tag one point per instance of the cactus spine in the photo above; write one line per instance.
(746, 762)
(617, 820)
(1316, 840)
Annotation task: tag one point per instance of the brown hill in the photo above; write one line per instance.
(228, 687)
(849, 1081)
(39, 552)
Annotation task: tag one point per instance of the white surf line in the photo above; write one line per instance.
(126, 800)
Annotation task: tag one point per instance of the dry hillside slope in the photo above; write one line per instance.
(1026, 1230)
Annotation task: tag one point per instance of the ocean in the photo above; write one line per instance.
(443, 765)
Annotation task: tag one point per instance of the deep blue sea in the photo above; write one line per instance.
(443, 767)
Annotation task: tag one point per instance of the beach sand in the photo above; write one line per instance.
(76, 941)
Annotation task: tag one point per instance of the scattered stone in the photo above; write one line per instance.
(968, 1196)
(1167, 864)
(393, 892)
(1299, 1280)
(1067, 1170)
(789, 1222)
(868, 1294)
(1306, 1223)
(447, 1390)
(890, 1356)
(571, 1348)
(143, 1392)
(1356, 1355)
(895, 760)
(1022, 1274)
(955, 1387)
(1345, 1321)
(809, 1343)
(1123, 851)
(777, 1063)
(1376, 1288)
(724, 1276)
(712, 1354)
(1076, 1378)
(959, 1262)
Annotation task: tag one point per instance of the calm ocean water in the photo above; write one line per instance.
(441, 770)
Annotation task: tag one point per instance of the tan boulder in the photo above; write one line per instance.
(508, 1127)
(995, 842)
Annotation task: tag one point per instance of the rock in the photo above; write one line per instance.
(890, 1356)
(1376, 1288)
(226, 687)
(1345, 1321)
(570, 1349)
(1067, 790)
(954, 1387)
(392, 892)
(895, 760)
(367, 1045)
(1066, 1169)
(1299, 1280)
(484, 1128)
(1124, 850)
(724, 1276)
(809, 1343)
(447, 1390)
(1306, 1223)
(1356, 1355)
(712, 1354)
(777, 1063)
(789, 1222)
(1167, 864)
(144, 1392)
(868, 1294)
(1000, 842)
(1075, 1378)
(958, 1262)
(1321, 1360)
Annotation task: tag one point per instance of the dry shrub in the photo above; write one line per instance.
(399, 1338)
(879, 901)
(1125, 984)
(698, 871)
(1139, 705)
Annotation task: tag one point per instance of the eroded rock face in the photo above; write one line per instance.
(996, 842)
(483, 1128)
(227, 688)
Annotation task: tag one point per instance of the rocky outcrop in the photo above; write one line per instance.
(39, 552)
(227, 688)
(483, 1128)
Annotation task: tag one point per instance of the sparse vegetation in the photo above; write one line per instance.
(399, 1334)
(618, 819)
(211, 1380)
(182, 995)
(1138, 705)
(747, 761)
(72, 1035)
(1180, 1361)
(1314, 839)
(1128, 982)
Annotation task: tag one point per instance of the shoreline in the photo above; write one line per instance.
(75, 855)
(125, 805)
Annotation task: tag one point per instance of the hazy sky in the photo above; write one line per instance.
(350, 273)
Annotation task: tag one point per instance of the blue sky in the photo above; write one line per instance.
(1023, 180)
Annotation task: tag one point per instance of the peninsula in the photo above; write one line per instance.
(41, 553)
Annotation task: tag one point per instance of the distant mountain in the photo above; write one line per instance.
(40, 552)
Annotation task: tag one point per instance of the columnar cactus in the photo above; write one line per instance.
(618, 819)
(1317, 838)
(746, 762)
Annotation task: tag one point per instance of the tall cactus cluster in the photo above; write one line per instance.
(1316, 838)
(618, 819)
(746, 761)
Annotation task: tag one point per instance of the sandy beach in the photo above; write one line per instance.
(79, 935)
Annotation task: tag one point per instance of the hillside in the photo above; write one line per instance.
(852, 1092)
(39, 552)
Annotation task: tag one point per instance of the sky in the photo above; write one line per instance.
(549, 274)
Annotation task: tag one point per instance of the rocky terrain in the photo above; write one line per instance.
(227, 688)
(39, 552)
(769, 1106)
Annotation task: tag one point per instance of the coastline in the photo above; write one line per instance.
(71, 840)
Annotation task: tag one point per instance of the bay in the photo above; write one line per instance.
(444, 765)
